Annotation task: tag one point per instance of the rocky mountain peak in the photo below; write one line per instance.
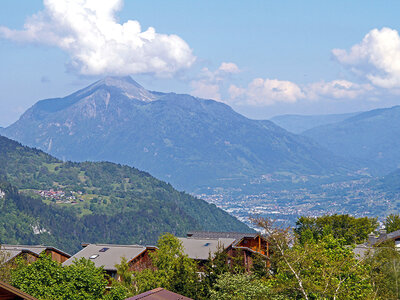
(125, 85)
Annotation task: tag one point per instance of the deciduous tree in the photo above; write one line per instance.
(392, 223)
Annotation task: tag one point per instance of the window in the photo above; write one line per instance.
(103, 250)
(94, 256)
(206, 244)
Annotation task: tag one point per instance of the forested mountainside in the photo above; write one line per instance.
(372, 137)
(187, 141)
(45, 200)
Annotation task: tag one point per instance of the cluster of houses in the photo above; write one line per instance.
(198, 245)
(60, 196)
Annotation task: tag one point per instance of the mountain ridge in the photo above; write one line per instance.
(300, 123)
(100, 202)
(370, 136)
(179, 138)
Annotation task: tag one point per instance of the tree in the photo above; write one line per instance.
(392, 223)
(47, 279)
(326, 269)
(384, 263)
(5, 267)
(240, 287)
(84, 280)
(174, 270)
(351, 229)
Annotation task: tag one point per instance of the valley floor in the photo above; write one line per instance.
(356, 197)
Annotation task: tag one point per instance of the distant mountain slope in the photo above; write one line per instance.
(390, 182)
(371, 136)
(103, 202)
(179, 138)
(299, 123)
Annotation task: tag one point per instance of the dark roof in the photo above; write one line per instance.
(159, 294)
(216, 235)
(9, 292)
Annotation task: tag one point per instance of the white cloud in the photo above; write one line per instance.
(376, 57)
(206, 90)
(262, 92)
(229, 68)
(97, 44)
(337, 89)
(209, 83)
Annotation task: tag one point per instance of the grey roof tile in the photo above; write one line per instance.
(197, 248)
(108, 258)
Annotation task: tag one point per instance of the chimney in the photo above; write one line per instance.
(371, 238)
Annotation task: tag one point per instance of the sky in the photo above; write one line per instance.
(261, 57)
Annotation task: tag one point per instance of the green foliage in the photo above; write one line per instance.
(47, 279)
(309, 269)
(173, 270)
(259, 268)
(85, 280)
(348, 228)
(5, 268)
(124, 274)
(384, 266)
(326, 268)
(117, 291)
(392, 223)
(240, 287)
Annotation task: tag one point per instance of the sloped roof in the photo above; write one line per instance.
(393, 235)
(14, 250)
(9, 292)
(362, 250)
(107, 255)
(216, 235)
(201, 248)
(159, 294)
(11, 254)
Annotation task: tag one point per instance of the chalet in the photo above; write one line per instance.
(107, 256)
(8, 292)
(368, 247)
(385, 237)
(200, 244)
(159, 294)
(31, 252)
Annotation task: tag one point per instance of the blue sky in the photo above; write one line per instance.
(262, 57)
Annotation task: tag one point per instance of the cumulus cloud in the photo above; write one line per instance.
(206, 90)
(337, 89)
(262, 92)
(228, 68)
(376, 57)
(97, 44)
(209, 83)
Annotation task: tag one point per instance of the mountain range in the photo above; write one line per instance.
(371, 137)
(187, 141)
(300, 123)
